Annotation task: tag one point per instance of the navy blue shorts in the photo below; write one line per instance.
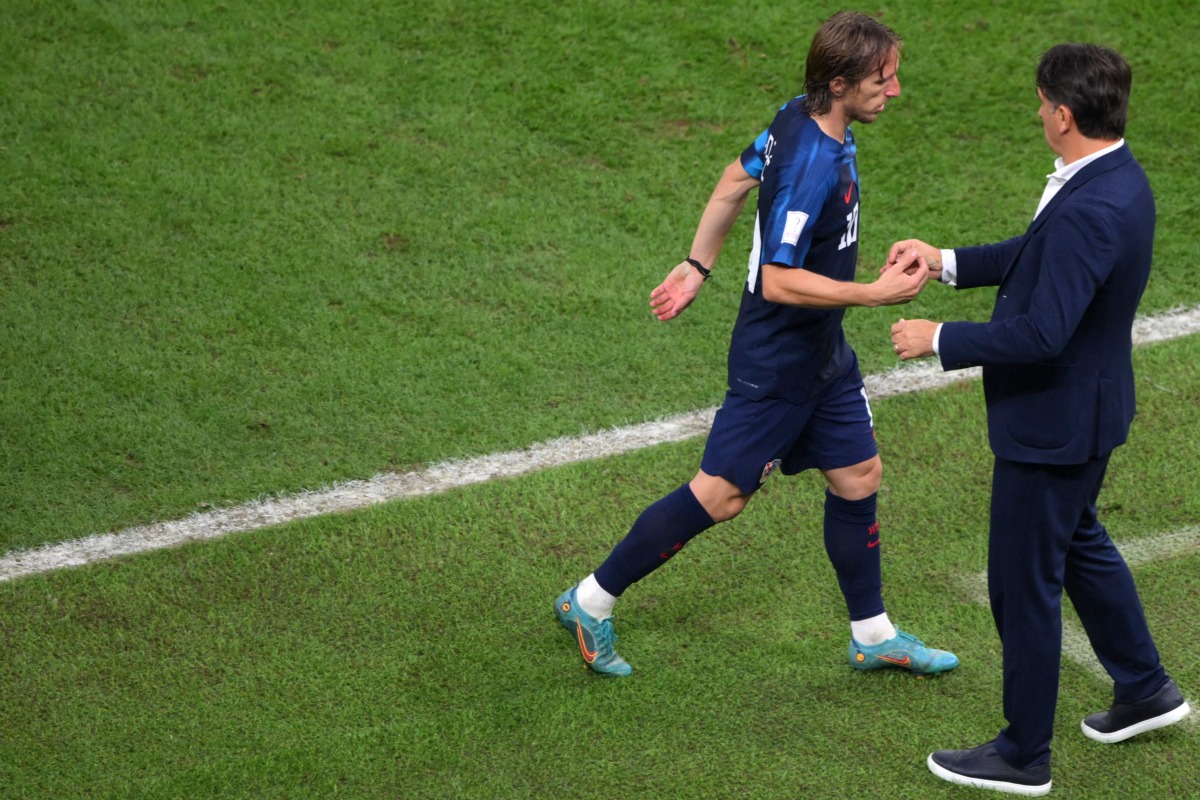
(750, 439)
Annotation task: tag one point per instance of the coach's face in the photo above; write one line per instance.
(866, 101)
(1054, 122)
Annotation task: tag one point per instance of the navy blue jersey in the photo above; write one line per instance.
(807, 219)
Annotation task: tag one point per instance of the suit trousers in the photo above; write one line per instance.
(1045, 536)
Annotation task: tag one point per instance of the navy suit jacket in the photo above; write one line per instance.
(1057, 353)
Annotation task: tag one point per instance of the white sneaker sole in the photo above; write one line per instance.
(1161, 721)
(984, 783)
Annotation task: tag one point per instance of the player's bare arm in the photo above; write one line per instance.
(800, 287)
(682, 283)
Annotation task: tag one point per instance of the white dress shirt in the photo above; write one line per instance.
(1054, 181)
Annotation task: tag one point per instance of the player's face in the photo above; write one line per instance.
(866, 101)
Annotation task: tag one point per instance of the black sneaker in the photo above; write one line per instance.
(1164, 707)
(983, 768)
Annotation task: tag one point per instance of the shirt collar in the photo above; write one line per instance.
(1063, 173)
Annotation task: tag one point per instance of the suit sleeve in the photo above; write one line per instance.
(985, 265)
(1077, 258)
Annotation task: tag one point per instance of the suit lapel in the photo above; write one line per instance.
(1098, 167)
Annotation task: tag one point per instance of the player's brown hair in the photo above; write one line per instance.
(848, 45)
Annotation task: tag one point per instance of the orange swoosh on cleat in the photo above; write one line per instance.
(899, 662)
(588, 655)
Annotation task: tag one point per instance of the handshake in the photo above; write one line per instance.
(910, 264)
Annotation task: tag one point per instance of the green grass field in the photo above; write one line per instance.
(249, 251)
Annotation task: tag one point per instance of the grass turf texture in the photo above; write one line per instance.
(252, 250)
(411, 649)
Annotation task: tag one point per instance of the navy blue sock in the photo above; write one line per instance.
(852, 543)
(659, 533)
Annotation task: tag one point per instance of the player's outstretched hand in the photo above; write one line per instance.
(904, 254)
(676, 292)
(901, 281)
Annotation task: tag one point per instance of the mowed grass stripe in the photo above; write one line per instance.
(450, 475)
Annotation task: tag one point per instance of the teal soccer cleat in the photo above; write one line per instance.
(594, 637)
(902, 651)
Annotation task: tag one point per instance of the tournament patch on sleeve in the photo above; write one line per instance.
(794, 226)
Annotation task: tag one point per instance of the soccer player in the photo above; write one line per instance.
(795, 399)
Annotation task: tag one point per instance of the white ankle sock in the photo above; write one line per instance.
(593, 599)
(874, 630)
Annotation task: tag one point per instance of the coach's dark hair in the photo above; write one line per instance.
(848, 45)
(1093, 82)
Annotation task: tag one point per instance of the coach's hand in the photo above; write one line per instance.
(913, 338)
(903, 254)
(673, 295)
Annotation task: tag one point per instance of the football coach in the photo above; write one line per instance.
(1059, 385)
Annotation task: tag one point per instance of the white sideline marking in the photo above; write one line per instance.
(1183, 542)
(1075, 643)
(919, 376)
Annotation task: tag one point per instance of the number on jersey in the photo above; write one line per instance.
(851, 234)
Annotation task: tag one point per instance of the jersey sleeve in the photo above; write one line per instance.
(787, 229)
(753, 159)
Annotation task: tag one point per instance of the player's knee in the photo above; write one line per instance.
(721, 499)
(857, 482)
(727, 508)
